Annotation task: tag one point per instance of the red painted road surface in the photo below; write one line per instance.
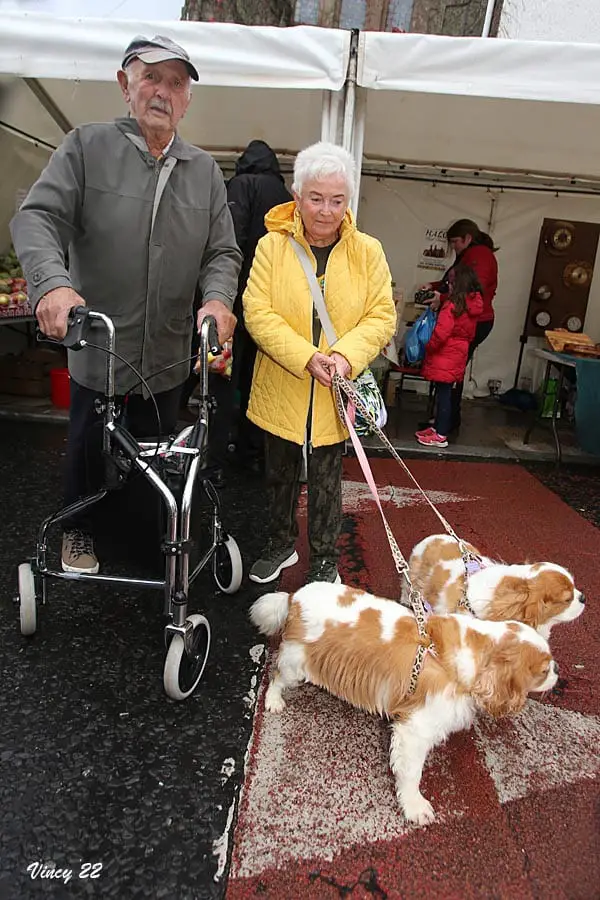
(517, 801)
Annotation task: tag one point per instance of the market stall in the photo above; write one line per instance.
(502, 132)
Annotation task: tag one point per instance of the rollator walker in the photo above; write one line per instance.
(173, 467)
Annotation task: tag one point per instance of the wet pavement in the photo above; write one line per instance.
(101, 774)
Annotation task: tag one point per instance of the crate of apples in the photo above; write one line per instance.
(13, 287)
(13, 297)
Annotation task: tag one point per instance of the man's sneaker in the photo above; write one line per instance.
(432, 440)
(428, 430)
(325, 570)
(78, 553)
(273, 559)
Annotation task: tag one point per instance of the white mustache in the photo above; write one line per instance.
(162, 106)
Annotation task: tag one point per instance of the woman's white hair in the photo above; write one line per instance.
(319, 161)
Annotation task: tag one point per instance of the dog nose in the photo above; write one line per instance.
(581, 597)
(555, 667)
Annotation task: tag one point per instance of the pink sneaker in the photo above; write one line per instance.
(425, 431)
(433, 439)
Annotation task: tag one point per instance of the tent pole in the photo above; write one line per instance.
(337, 98)
(358, 140)
(489, 13)
(30, 138)
(330, 116)
(49, 105)
(326, 117)
(348, 115)
(348, 126)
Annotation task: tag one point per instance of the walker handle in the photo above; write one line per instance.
(77, 321)
(212, 337)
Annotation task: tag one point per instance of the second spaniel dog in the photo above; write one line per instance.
(362, 648)
(539, 594)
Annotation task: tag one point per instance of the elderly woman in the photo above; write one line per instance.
(291, 397)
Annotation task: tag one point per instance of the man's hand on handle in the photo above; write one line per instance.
(53, 309)
(223, 316)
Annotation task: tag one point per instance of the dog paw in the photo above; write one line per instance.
(274, 702)
(418, 810)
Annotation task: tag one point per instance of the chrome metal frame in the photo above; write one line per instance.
(177, 579)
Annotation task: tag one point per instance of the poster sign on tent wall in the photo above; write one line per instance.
(434, 252)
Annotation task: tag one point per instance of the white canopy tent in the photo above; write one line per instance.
(258, 82)
(502, 132)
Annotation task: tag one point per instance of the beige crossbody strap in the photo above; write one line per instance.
(317, 296)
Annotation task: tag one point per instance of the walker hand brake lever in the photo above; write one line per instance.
(77, 323)
(214, 346)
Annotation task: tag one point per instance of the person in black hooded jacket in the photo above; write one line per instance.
(256, 187)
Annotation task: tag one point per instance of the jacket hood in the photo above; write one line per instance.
(285, 218)
(258, 158)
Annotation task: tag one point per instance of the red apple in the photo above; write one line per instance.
(4, 299)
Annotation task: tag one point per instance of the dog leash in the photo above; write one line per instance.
(420, 608)
(471, 561)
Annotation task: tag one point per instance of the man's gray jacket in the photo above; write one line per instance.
(87, 223)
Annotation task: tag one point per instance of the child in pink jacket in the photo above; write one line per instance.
(447, 350)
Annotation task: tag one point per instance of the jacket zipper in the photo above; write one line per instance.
(309, 423)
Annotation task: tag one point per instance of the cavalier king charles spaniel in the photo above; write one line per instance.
(538, 594)
(362, 649)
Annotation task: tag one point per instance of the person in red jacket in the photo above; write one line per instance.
(473, 248)
(447, 350)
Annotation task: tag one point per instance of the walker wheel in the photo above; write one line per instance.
(183, 671)
(27, 604)
(227, 566)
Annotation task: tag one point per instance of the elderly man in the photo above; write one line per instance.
(143, 217)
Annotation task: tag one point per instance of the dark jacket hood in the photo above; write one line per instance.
(258, 158)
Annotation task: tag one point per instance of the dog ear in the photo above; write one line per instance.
(549, 592)
(514, 601)
(537, 600)
(500, 686)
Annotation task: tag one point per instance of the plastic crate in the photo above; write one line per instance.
(16, 312)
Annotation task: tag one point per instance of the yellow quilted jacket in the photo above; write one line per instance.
(278, 311)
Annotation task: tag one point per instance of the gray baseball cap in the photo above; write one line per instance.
(157, 49)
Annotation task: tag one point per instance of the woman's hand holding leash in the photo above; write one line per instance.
(321, 368)
(342, 366)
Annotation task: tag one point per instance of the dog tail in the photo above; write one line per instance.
(269, 612)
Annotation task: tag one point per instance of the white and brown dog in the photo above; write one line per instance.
(362, 649)
(538, 594)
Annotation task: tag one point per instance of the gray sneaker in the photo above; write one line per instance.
(78, 553)
(273, 559)
(324, 570)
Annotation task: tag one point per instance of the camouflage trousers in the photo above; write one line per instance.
(283, 463)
